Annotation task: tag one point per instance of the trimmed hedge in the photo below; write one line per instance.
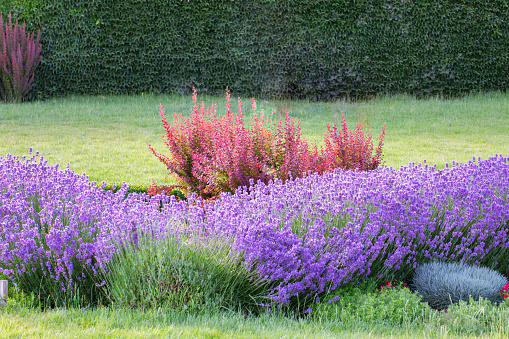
(316, 49)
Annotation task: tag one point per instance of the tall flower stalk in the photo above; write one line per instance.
(19, 57)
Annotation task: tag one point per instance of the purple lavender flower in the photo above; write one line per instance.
(57, 222)
(321, 231)
(307, 236)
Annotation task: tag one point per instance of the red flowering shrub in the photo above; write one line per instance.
(211, 154)
(292, 154)
(389, 284)
(156, 189)
(187, 138)
(352, 150)
(238, 154)
(504, 292)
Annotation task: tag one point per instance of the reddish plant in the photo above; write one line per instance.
(156, 189)
(188, 140)
(352, 150)
(237, 153)
(389, 284)
(19, 57)
(504, 292)
(282, 150)
(292, 154)
(211, 154)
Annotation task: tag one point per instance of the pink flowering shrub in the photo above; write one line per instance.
(391, 284)
(353, 150)
(504, 292)
(211, 154)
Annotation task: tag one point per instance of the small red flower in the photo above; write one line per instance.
(506, 295)
(404, 284)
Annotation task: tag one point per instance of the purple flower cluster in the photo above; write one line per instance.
(315, 233)
(308, 235)
(53, 220)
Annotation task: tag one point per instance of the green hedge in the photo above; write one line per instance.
(317, 49)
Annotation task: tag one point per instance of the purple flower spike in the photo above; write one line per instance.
(307, 236)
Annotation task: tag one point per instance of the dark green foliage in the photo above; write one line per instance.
(441, 284)
(142, 189)
(30, 11)
(320, 49)
(132, 188)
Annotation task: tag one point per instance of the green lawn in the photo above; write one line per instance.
(106, 323)
(107, 137)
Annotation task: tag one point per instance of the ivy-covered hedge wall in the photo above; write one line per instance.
(317, 49)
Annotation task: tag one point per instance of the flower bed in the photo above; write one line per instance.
(308, 235)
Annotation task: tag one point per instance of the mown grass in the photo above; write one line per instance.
(106, 137)
(479, 320)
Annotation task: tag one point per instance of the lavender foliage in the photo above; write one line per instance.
(307, 236)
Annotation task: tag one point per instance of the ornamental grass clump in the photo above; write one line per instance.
(188, 273)
(441, 284)
(315, 233)
(58, 230)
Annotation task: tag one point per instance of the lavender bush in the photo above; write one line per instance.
(321, 231)
(58, 230)
(308, 236)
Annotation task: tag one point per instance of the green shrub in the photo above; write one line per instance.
(17, 299)
(146, 189)
(476, 317)
(395, 306)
